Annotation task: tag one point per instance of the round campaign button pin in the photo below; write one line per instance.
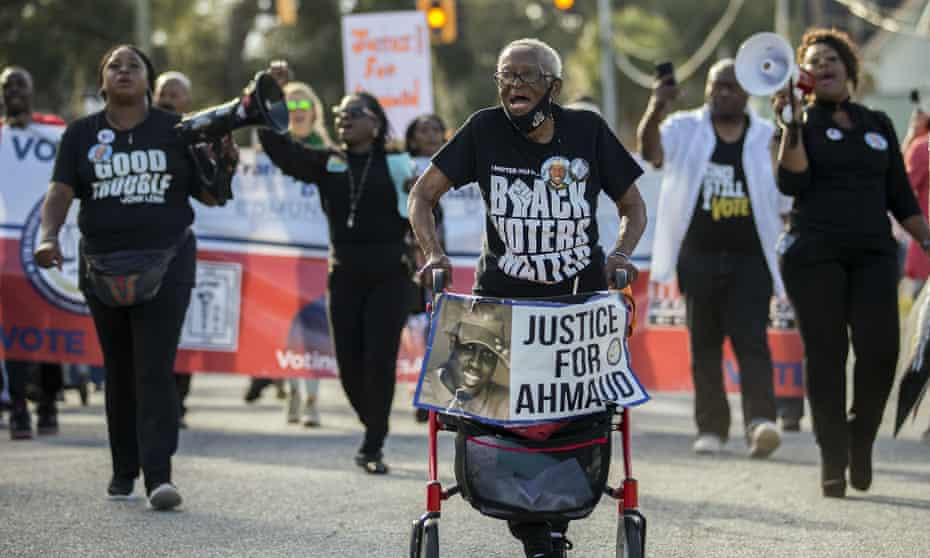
(876, 141)
(834, 134)
(99, 153)
(106, 136)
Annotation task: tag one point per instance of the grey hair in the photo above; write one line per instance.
(172, 76)
(549, 59)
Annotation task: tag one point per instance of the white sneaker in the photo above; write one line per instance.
(764, 439)
(707, 444)
(164, 497)
(293, 407)
(311, 413)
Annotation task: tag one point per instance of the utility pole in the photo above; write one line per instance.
(608, 69)
(783, 18)
(144, 25)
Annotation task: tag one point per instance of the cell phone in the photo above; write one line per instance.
(665, 72)
(915, 97)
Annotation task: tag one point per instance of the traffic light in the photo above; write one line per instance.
(564, 5)
(441, 20)
(287, 11)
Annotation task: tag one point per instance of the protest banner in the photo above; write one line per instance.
(513, 362)
(388, 55)
(259, 304)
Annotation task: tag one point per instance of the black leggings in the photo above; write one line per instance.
(367, 308)
(836, 293)
(139, 346)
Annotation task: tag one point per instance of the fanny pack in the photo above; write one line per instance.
(130, 277)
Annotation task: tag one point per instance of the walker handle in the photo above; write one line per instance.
(621, 279)
(439, 280)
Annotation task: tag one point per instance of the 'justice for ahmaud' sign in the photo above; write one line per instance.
(519, 361)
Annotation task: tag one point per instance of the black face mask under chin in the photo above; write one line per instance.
(535, 117)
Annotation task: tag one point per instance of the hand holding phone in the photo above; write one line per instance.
(665, 72)
(665, 89)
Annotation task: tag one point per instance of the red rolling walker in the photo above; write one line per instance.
(631, 528)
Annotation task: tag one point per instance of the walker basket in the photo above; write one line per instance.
(506, 476)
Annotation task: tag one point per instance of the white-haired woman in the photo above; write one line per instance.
(513, 147)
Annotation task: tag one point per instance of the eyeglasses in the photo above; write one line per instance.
(529, 77)
(352, 113)
(304, 104)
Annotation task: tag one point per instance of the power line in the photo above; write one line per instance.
(700, 56)
(867, 11)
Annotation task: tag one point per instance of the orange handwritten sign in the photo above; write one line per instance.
(387, 54)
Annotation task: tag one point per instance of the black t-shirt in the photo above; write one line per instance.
(133, 185)
(855, 177)
(540, 199)
(722, 220)
(377, 220)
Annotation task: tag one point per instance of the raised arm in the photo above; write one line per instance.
(294, 158)
(54, 212)
(648, 137)
(424, 196)
(793, 165)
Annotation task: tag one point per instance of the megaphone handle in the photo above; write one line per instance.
(794, 127)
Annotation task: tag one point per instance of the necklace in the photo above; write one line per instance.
(356, 192)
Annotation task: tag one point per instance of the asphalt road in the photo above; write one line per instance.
(254, 486)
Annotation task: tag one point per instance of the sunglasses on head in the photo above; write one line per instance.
(352, 113)
(304, 104)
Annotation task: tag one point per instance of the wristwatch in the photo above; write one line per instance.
(925, 244)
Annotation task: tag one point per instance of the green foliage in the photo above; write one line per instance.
(60, 42)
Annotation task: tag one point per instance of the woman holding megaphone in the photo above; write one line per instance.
(134, 177)
(838, 257)
(369, 291)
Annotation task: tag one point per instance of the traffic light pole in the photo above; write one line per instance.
(608, 69)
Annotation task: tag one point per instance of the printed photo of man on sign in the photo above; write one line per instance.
(468, 369)
(517, 362)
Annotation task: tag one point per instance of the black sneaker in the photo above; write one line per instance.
(372, 463)
(165, 497)
(47, 421)
(536, 538)
(20, 423)
(120, 488)
(560, 545)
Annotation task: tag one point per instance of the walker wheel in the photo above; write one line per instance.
(631, 536)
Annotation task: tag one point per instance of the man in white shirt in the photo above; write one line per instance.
(717, 172)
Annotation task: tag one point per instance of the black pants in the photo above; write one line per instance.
(182, 380)
(139, 346)
(727, 295)
(367, 308)
(837, 292)
(47, 376)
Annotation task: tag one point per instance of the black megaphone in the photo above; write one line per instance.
(262, 104)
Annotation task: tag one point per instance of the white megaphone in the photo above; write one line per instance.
(764, 64)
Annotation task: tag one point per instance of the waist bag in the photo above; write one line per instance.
(130, 277)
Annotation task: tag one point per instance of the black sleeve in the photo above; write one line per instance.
(898, 192)
(293, 158)
(617, 168)
(66, 162)
(791, 183)
(457, 158)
